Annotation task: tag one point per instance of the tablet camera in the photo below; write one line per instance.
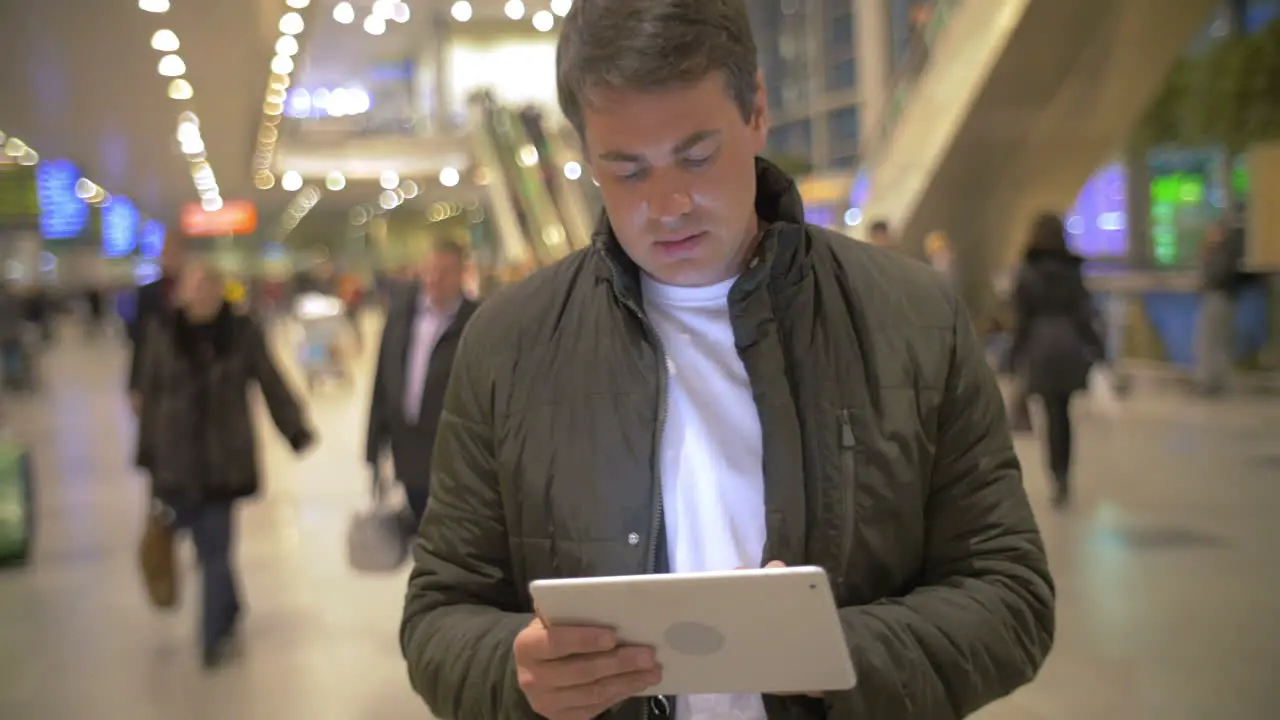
(694, 638)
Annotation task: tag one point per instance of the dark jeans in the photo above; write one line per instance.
(1057, 410)
(211, 526)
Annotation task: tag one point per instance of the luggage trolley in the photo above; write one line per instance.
(324, 327)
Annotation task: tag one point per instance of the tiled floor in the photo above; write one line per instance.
(1167, 571)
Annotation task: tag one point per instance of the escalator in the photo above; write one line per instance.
(1008, 108)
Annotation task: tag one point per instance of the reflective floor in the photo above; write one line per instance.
(1167, 570)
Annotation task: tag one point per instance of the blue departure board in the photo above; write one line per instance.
(120, 223)
(63, 216)
(151, 239)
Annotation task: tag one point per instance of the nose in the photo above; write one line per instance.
(670, 199)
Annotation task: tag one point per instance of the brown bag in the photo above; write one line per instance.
(156, 559)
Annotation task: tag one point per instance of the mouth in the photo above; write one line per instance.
(682, 241)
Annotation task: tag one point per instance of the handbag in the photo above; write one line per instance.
(156, 558)
(376, 537)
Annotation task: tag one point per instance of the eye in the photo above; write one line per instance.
(634, 175)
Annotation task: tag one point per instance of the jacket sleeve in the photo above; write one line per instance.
(981, 621)
(281, 402)
(459, 620)
(378, 431)
(137, 331)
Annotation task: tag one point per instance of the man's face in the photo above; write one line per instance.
(200, 293)
(442, 277)
(677, 174)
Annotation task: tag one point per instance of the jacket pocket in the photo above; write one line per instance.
(846, 521)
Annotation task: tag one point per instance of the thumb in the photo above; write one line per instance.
(775, 564)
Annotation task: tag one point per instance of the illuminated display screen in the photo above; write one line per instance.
(62, 215)
(1098, 222)
(151, 239)
(120, 223)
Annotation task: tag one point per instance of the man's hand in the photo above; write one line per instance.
(577, 673)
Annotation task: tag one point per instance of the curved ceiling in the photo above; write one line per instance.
(80, 81)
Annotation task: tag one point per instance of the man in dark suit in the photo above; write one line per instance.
(421, 336)
(154, 301)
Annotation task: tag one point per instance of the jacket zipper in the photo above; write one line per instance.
(848, 488)
(651, 561)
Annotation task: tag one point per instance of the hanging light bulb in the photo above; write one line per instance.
(165, 41)
(344, 13)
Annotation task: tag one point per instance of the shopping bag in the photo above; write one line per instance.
(376, 538)
(17, 506)
(156, 558)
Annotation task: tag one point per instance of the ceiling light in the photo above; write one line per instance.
(155, 6)
(561, 7)
(291, 181)
(188, 131)
(212, 203)
(514, 9)
(85, 189)
(30, 157)
(388, 200)
(449, 177)
(297, 4)
(278, 81)
(165, 41)
(335, 181)
(543, 21)
(172, 66)
(194, 146)
(187, 117)
(400, 12)
(409, 189)
(14, 147)
(385, 9)
(180, 89)
(375, 25)
(291, 23)
(389, 180)
(572, 170)
(461, 11)
(344, 13)
(287, 45)
(264, 180)
(282, 64)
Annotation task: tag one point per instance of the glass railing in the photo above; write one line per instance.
(934, 16)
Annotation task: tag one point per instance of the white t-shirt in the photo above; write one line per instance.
(712, 458)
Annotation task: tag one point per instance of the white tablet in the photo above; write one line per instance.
(765, 631)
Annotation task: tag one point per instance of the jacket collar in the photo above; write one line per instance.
(781, 255)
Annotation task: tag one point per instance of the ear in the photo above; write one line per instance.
(760, 115)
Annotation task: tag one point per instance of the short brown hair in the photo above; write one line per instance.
(652, 45)
(449, 246)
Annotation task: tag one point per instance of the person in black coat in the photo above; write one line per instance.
(196, 434)
(424, 325)
(1057, 339)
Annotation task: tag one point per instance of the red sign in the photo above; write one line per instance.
(235, 217)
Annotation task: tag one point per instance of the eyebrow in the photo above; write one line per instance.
(683, 146)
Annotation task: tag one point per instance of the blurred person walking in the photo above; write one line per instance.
(424, 324)
(1222, 279)
(196, 434)
(1057, 339)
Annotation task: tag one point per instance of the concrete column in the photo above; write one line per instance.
(431, 91)
(872, 25)
(1137, 194)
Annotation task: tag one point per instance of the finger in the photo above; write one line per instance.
(603, 694)
(563, 642)
(775, 564)
(587, 669)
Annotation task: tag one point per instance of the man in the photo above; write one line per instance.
(712, 385)
(414, 362)
(1223, 254)
(879, 234)
(154, 301)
